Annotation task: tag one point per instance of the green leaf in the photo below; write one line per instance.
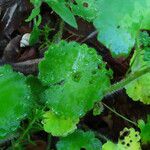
(63, 11)
(147, 54)
(86, 9)
(59, 6)
(145, 22)
(110, 146)
(14, 100)
(36, 3)
(35, 12)
(98, 109)
(35, 34)
(58, 125)
(144, 39)
(144, 42)
(117, 27)
(145, 130)
(76, 77)
(139, 89)
(79, 140)
(36, 89)
(129, 140)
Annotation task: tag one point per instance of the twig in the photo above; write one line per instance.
(91, 35)
(121, 116)
(100, 136)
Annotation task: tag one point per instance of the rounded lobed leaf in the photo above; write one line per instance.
(58, 125)
(14, 100)
(79, 140)
(139, 89)
(76, 77)
(119, 33)
(129, 140)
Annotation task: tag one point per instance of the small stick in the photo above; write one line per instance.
(91, 35)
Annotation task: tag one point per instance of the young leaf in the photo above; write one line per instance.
(14, 100)
(79, 140)
(59, 6)
(144, 43)
(35, 34)
(144, 39)
(145, 130)
(36, 3)
(147, 54)
(35, 12)
(119, 27)
(76, 77)
(58, 125)
(139, 89)
(98, 109)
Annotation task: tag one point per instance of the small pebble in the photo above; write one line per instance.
(25, 40)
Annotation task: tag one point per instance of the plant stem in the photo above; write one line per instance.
(25, 132)
(100, 136)
(97, 134)
(112, 110)
(57, 38)
(120, 85)
(91, 35)
(36, 116)
(49, 142)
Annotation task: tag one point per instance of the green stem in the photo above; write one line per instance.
(58, 36)
(120, 85)
(36, 116)
(26, 131)
(112, 110)
(49, 142)
(97, 134)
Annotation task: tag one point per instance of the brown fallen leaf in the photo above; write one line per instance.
(12, 50)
